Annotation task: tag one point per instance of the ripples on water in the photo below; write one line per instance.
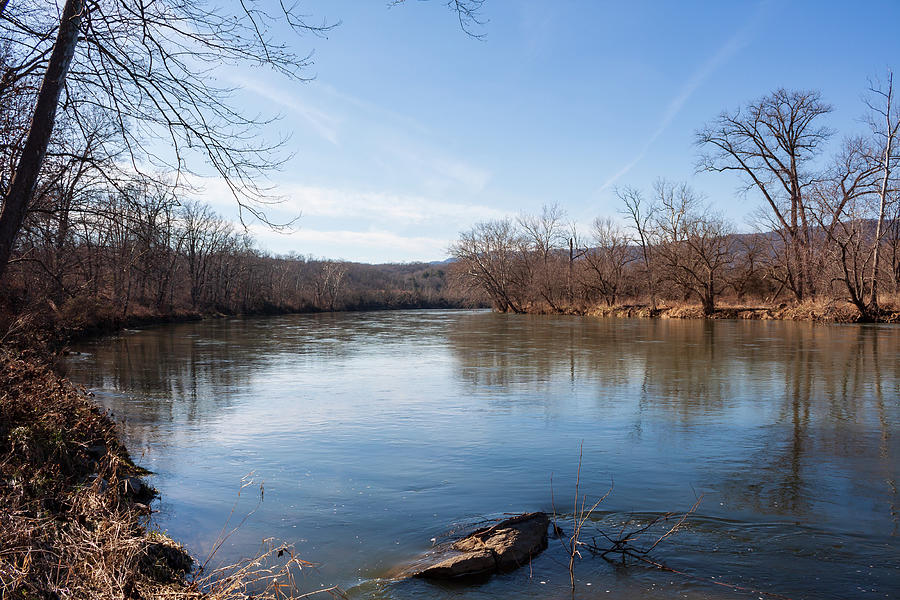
(375, 432)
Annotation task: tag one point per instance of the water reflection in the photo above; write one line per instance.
(375, 432)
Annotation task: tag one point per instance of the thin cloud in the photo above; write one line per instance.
(439, 171)
(322, 123)
(368, 246)
(728, 50)
(376, 206)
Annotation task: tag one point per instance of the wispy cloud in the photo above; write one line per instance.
(324, 124)
(383, 207)
(367, 246)
(354, 224)
(740, 39)
(437, 171)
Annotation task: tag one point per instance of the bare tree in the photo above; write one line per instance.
(884, 119)
(24, 180)
(695, 245)
(544, 236)
(855, 198)
(606, 260)
(641, 215)
(328, 283)
(150, 67)
(490, 259)
(771, 143)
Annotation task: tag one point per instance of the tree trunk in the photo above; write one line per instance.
(883, 198)
(21, 189)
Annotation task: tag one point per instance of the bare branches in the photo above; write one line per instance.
(771, 142)
(637, 543)
(695, 245)
(468, 13)
(148, 68)
(606, 260)
(641, 216)
(489, 258)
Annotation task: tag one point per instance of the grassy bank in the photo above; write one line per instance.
(75, 520)
(813, 311)
(73, 509)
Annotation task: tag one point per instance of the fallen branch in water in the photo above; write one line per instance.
(267, 576)
(625, 544)
(270, 575)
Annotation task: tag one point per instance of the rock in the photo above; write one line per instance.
(471, 564)
(501, 547)
(137, 490)
(96, 452)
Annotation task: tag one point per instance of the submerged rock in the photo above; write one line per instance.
(501, 547)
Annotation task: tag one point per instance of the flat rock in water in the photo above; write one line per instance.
(501, 547)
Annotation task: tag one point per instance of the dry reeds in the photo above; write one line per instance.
(73, 522)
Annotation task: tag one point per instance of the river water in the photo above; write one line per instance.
(363, 438)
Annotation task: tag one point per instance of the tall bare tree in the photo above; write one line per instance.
(854, 200)
(884, 119)
(25, 177)
(771, 142)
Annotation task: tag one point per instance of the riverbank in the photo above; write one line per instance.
(73, 509)
(75, 516)
(813, 311)
(51, 327)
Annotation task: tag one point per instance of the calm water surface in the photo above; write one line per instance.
(372, 433)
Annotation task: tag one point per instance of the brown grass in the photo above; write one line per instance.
(819, 311)
(69, 526)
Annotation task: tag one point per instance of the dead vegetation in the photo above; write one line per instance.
(74, 513)
(817, 311)
(72, 509)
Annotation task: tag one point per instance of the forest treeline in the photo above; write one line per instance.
(139, 252)
(828, 230)
(104, 119)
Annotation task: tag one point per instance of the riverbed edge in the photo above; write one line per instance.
(812, 312)
(75, 511)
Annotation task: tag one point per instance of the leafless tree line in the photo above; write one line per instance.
(124, 93)
(139, 250)
(830, 227)
(107, 110)
(674, 246)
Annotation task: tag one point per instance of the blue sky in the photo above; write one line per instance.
(412, 131)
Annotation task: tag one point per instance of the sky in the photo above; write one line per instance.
(412, 131)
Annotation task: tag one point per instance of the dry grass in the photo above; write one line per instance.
(819, 311)
(68, 525)
(70, 528)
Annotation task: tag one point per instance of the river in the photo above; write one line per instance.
(362, 438)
